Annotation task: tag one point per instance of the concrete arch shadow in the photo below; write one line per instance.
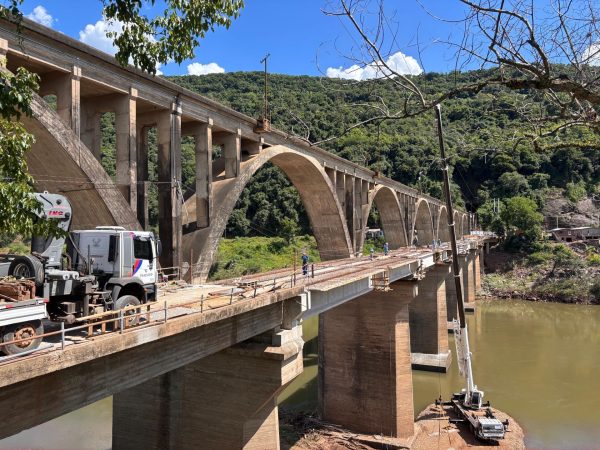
(392, 219)
(423, 223)
(316, 192)
(59, 162)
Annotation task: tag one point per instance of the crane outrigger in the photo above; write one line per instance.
(468, 403)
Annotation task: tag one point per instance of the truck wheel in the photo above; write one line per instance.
(27, 266)
(124, 302)
(19, 331)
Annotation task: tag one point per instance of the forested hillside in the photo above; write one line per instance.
(484, 134)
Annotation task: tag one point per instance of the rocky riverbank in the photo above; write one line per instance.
(432, 430)
(564, 273)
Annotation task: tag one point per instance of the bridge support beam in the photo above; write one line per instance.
(226, 400)
(203, 142)
(365, 378)
(231, 142)
(468, 276)
(124, 106)
(429, 323)
(451, 300)
(477, 270)
(67, 88)
(168, 127)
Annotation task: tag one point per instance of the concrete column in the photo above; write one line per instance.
(3, 50)
(169, 185)
(365, 378)
(451, 300)
(142, 176)
(67, 88)
(468, 277)
(224, 401)
(331, 173)
(350, 187)
(476, 271)
(232, 153)
(340, 186)
(90, 127)
(203, 142)
(429, 323)
(126, 141)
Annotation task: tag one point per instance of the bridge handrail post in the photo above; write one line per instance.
(62, 335)
(231, 297)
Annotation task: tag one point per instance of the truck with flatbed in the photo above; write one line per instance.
(103, 269)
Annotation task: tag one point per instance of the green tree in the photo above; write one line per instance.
(289, 229)
(521, 217)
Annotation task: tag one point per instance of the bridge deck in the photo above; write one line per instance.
(190, 307)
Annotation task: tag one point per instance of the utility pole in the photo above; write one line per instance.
(263, 123)
(266, 99)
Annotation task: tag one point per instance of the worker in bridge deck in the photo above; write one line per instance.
(415, 241)
(304, 263)
(386, 248)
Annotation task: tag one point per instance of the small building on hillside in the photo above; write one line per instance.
(575, 234)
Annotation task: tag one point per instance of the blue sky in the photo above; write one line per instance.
(294, 32)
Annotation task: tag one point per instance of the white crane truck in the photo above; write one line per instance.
(103, 269)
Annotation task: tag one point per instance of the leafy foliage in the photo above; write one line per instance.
(521, 217)
(172, 35)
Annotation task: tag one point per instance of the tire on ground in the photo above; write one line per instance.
(27, 266)
(125, 301)
(22, 331)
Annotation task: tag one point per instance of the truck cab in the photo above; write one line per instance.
(124, 262)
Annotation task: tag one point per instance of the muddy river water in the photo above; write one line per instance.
(538, 362)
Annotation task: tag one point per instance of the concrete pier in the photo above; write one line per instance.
(428, 322)
(365, 379)
(467, 265)
(477, 270)
(227, 400)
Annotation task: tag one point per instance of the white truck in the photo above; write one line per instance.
(103, 269)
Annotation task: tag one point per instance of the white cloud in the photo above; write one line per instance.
(591, 55)
(95, 35)
(204, 69)
(399, 62)
(41, 16)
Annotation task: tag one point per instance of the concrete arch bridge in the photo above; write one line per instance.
(86, 83)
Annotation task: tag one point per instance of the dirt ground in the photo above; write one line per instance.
(432, 431)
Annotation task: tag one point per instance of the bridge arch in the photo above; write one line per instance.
(392, 219)
(310, 180)
(423, 223)
(59, 162)
(443, 231)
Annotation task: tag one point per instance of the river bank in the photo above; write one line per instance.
(561, 273)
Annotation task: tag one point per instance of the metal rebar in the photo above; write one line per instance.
(166, 312)
(121, 321)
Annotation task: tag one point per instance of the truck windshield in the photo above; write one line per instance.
(142, 249)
